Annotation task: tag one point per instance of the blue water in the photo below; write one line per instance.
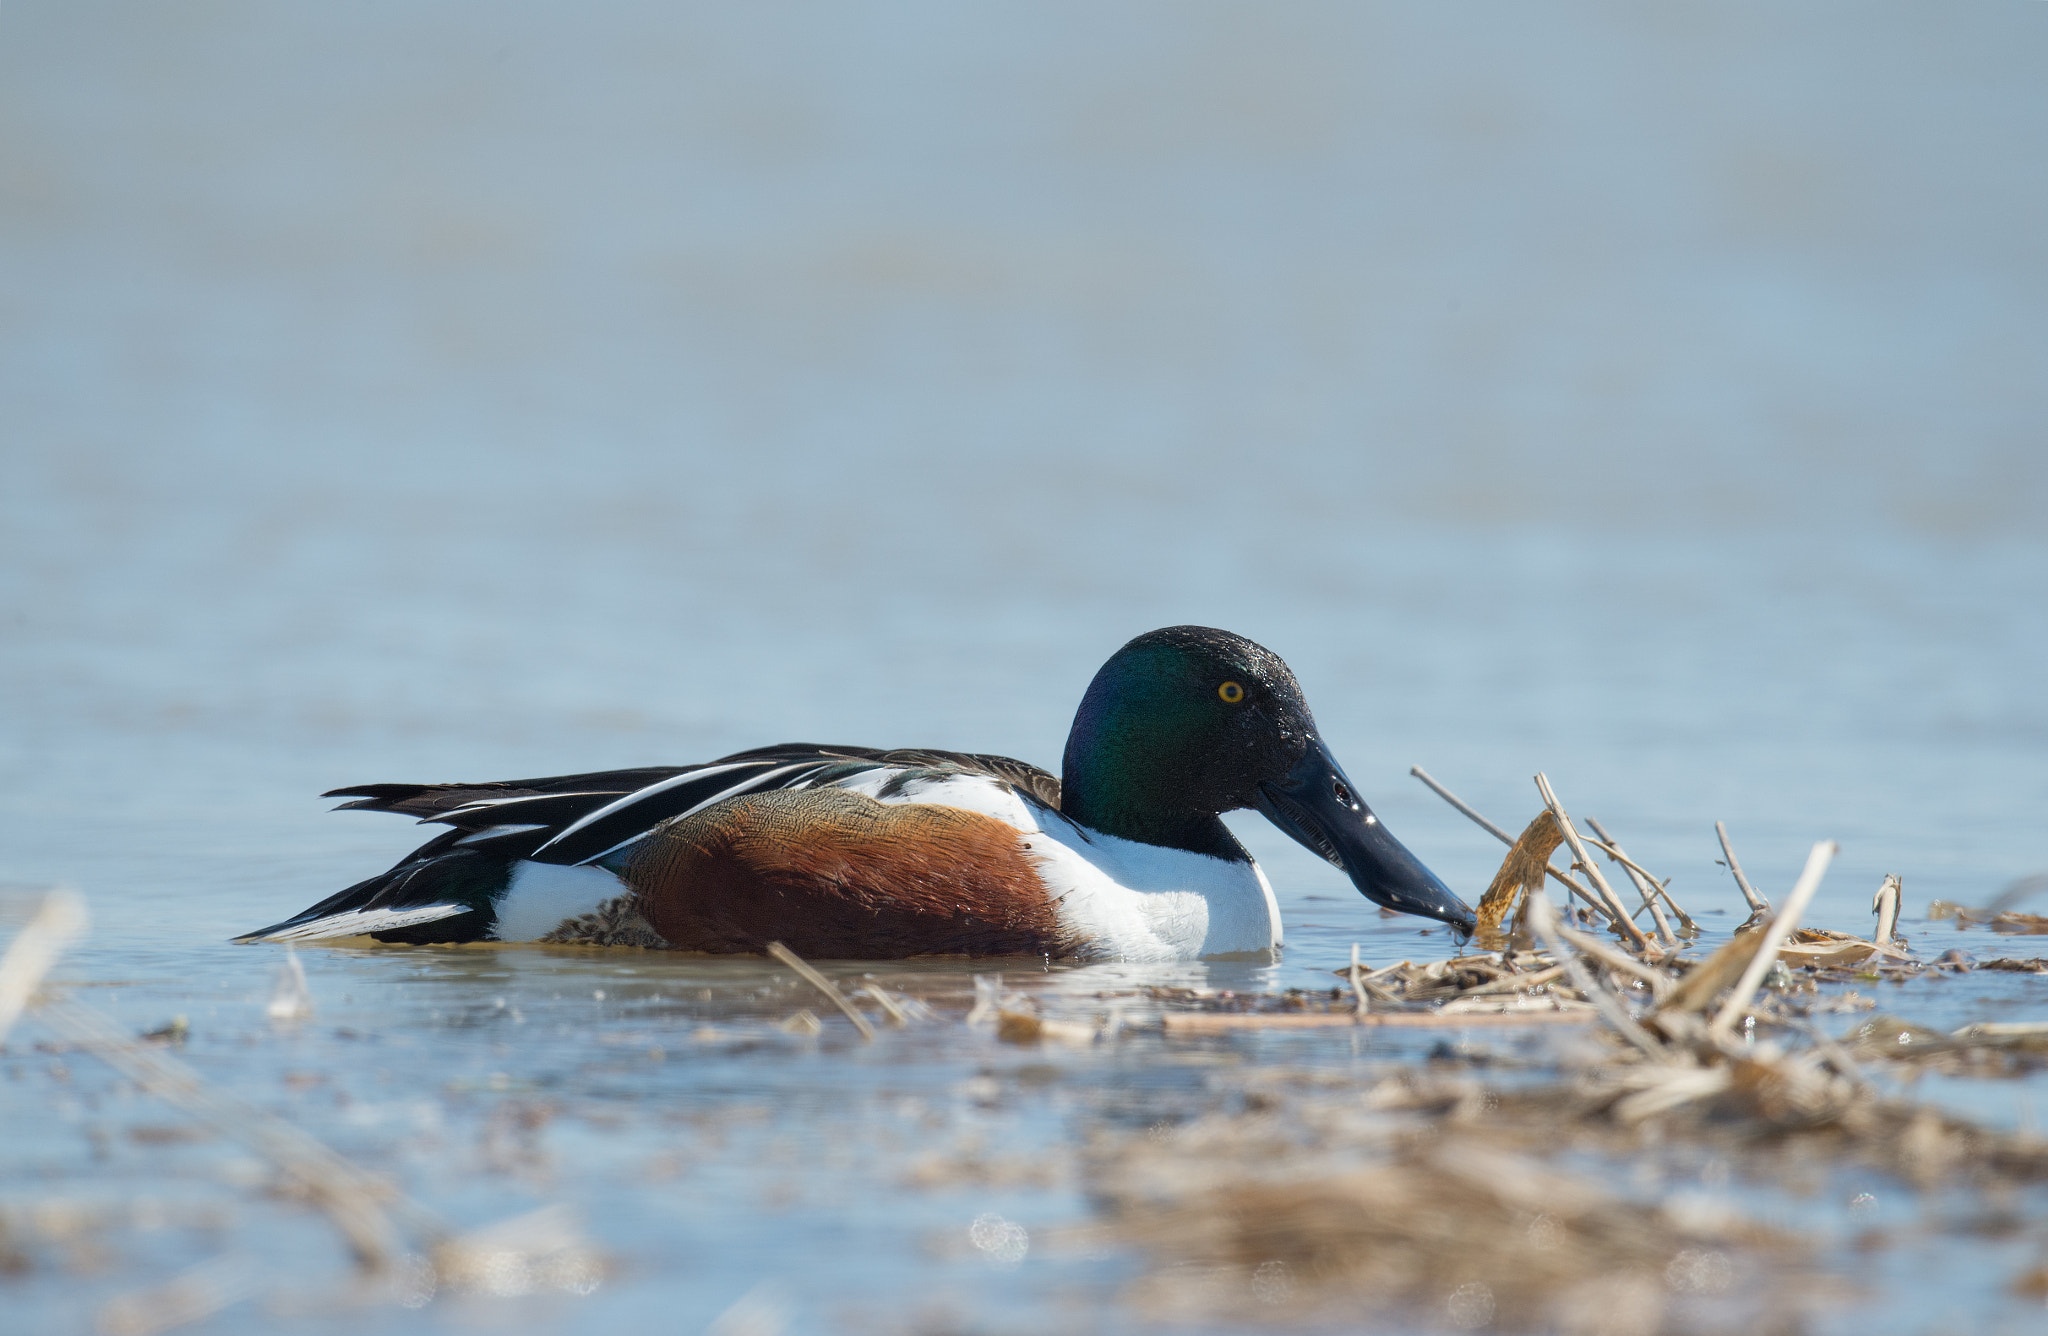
(457, 391)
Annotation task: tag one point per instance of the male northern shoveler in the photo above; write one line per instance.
(848, 852)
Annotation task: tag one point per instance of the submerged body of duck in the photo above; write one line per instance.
(848, 852)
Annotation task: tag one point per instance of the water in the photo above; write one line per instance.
(457, 392)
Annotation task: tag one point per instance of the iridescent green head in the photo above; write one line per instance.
(1188, 722)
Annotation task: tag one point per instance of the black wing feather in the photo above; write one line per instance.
(457, 865)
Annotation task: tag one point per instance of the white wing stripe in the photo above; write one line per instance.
(493, 832)
(753, 785)
(485, 804)
(635, 796)
(356, 922)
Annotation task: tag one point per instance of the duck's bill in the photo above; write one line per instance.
(1318, 807)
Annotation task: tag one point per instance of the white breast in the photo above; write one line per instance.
(1134, 901)
(1126, 900)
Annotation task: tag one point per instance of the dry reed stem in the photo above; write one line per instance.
(60, 919)
(2017, 892)
(1817, 860)
(1646, 885)
(1757, 904)
(1454, 800)
(1620, 916)
(1885, 904)
(898, 1017)
(1459, 803)
(1543, 918)
(1357, 982)
(1660, 982)
(825, 986)
(1704, 982)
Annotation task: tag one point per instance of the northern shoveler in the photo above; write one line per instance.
(849, 852)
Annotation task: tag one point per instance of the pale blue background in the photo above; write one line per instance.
(1652, 395)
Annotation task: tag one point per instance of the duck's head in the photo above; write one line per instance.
(1188, 722)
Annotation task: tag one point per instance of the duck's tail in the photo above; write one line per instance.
(438, 893)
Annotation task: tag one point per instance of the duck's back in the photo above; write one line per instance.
(521, 856)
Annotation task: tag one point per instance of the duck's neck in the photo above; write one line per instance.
(1101, 792)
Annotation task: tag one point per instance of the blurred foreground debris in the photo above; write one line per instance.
(290, 997)
(403, 1250)
(59, 919)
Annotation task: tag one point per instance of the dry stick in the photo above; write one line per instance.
(1543, 918)
(34, 949)
(1787, 919)
(1885, 904)
(898, 1017)
(825, 986)
(1606, 845)
(1647, 882)
(1357, 984)
(1593, 873)
(1757, 904)
(1459, 803)
(1643, 883)
(1661, 888)
(1660, 985)
(1505, 838)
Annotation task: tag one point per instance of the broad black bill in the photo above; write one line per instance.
(1318, 807)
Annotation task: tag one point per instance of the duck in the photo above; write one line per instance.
(843, 852)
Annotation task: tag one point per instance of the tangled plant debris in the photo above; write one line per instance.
(1451, 1219)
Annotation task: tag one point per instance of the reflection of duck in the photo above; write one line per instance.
(846, 852)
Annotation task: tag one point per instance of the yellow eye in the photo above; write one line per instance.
(1231, 693)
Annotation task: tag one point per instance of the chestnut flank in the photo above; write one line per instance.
(837, 875)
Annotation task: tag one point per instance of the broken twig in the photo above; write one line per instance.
(1543, 918)
(1619, 915)
(1885, 904)
(34, 949)
(898, 1017)
(1774, 935)
(1757, 904)
(1459, 803)
(1659, 983)
(1454, 800)
(825, 986)
(1646, 885)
